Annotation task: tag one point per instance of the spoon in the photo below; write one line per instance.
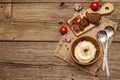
(102, 38)
(110, 31)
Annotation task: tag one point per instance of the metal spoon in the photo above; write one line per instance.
(102, 38)
(110, 31)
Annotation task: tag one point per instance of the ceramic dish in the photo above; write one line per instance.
(94, 42)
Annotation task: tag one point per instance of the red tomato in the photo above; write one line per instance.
(94, 6)
(63, 30)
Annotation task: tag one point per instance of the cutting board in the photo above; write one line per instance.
(105, 9)
(63, 49)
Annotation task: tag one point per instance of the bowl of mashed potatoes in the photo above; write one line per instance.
(85, 50)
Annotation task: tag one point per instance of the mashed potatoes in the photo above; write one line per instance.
(85, 51)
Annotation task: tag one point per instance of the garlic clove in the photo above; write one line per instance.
(68, 40)
(78, 7)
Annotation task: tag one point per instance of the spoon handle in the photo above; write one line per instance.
(107, 67)
(104, 49)
(106, 60)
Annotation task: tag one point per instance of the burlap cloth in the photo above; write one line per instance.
(63, 49)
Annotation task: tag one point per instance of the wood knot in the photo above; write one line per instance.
(96, 75)
(7, 17)
(62, 4)
(1, 6)
(60, 23)
(72, 79)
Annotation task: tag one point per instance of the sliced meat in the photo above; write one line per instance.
(76, 27)
(75, 20)
(81, 27)
(84, 22)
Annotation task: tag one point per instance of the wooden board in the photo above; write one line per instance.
(31, 60)
(83, 14)
(63, 49)
(23, 58)
(32, 25)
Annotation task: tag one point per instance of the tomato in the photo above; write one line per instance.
(94, 6)
(63, 30)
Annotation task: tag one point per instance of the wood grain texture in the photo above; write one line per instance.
(5, 10)
(51, 12)
(39, 12)
(47, 72)
(47, 16)
(110, 1)
(54, 0)
(8, 10)
(33, 20)
(27, 53)
(2, 10)
(28, 32)
(5, 1)
(34, 32)
(25, 58)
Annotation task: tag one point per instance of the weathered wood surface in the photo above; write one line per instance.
(24, 21)
(36, 1)
(31, 18)
(19, 59)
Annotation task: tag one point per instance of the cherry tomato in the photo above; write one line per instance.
(94, 6)
(63, 30)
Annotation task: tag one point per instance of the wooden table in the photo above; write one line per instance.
(29, 34)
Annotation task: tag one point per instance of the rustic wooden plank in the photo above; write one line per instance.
(44, 72)
(29, 32)
(20, 60)
(37, 52)
(48, 22)
(117, 33)
(39, 12)
(54, 0)
(31, 23)
(13, 62)
(34, 32)
(5, 1)
(8, 10)
(5, 10)
(24, 52)
(110, 1)
(2, 10)
(38, 1)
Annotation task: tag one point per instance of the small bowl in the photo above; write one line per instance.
(90, 39)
